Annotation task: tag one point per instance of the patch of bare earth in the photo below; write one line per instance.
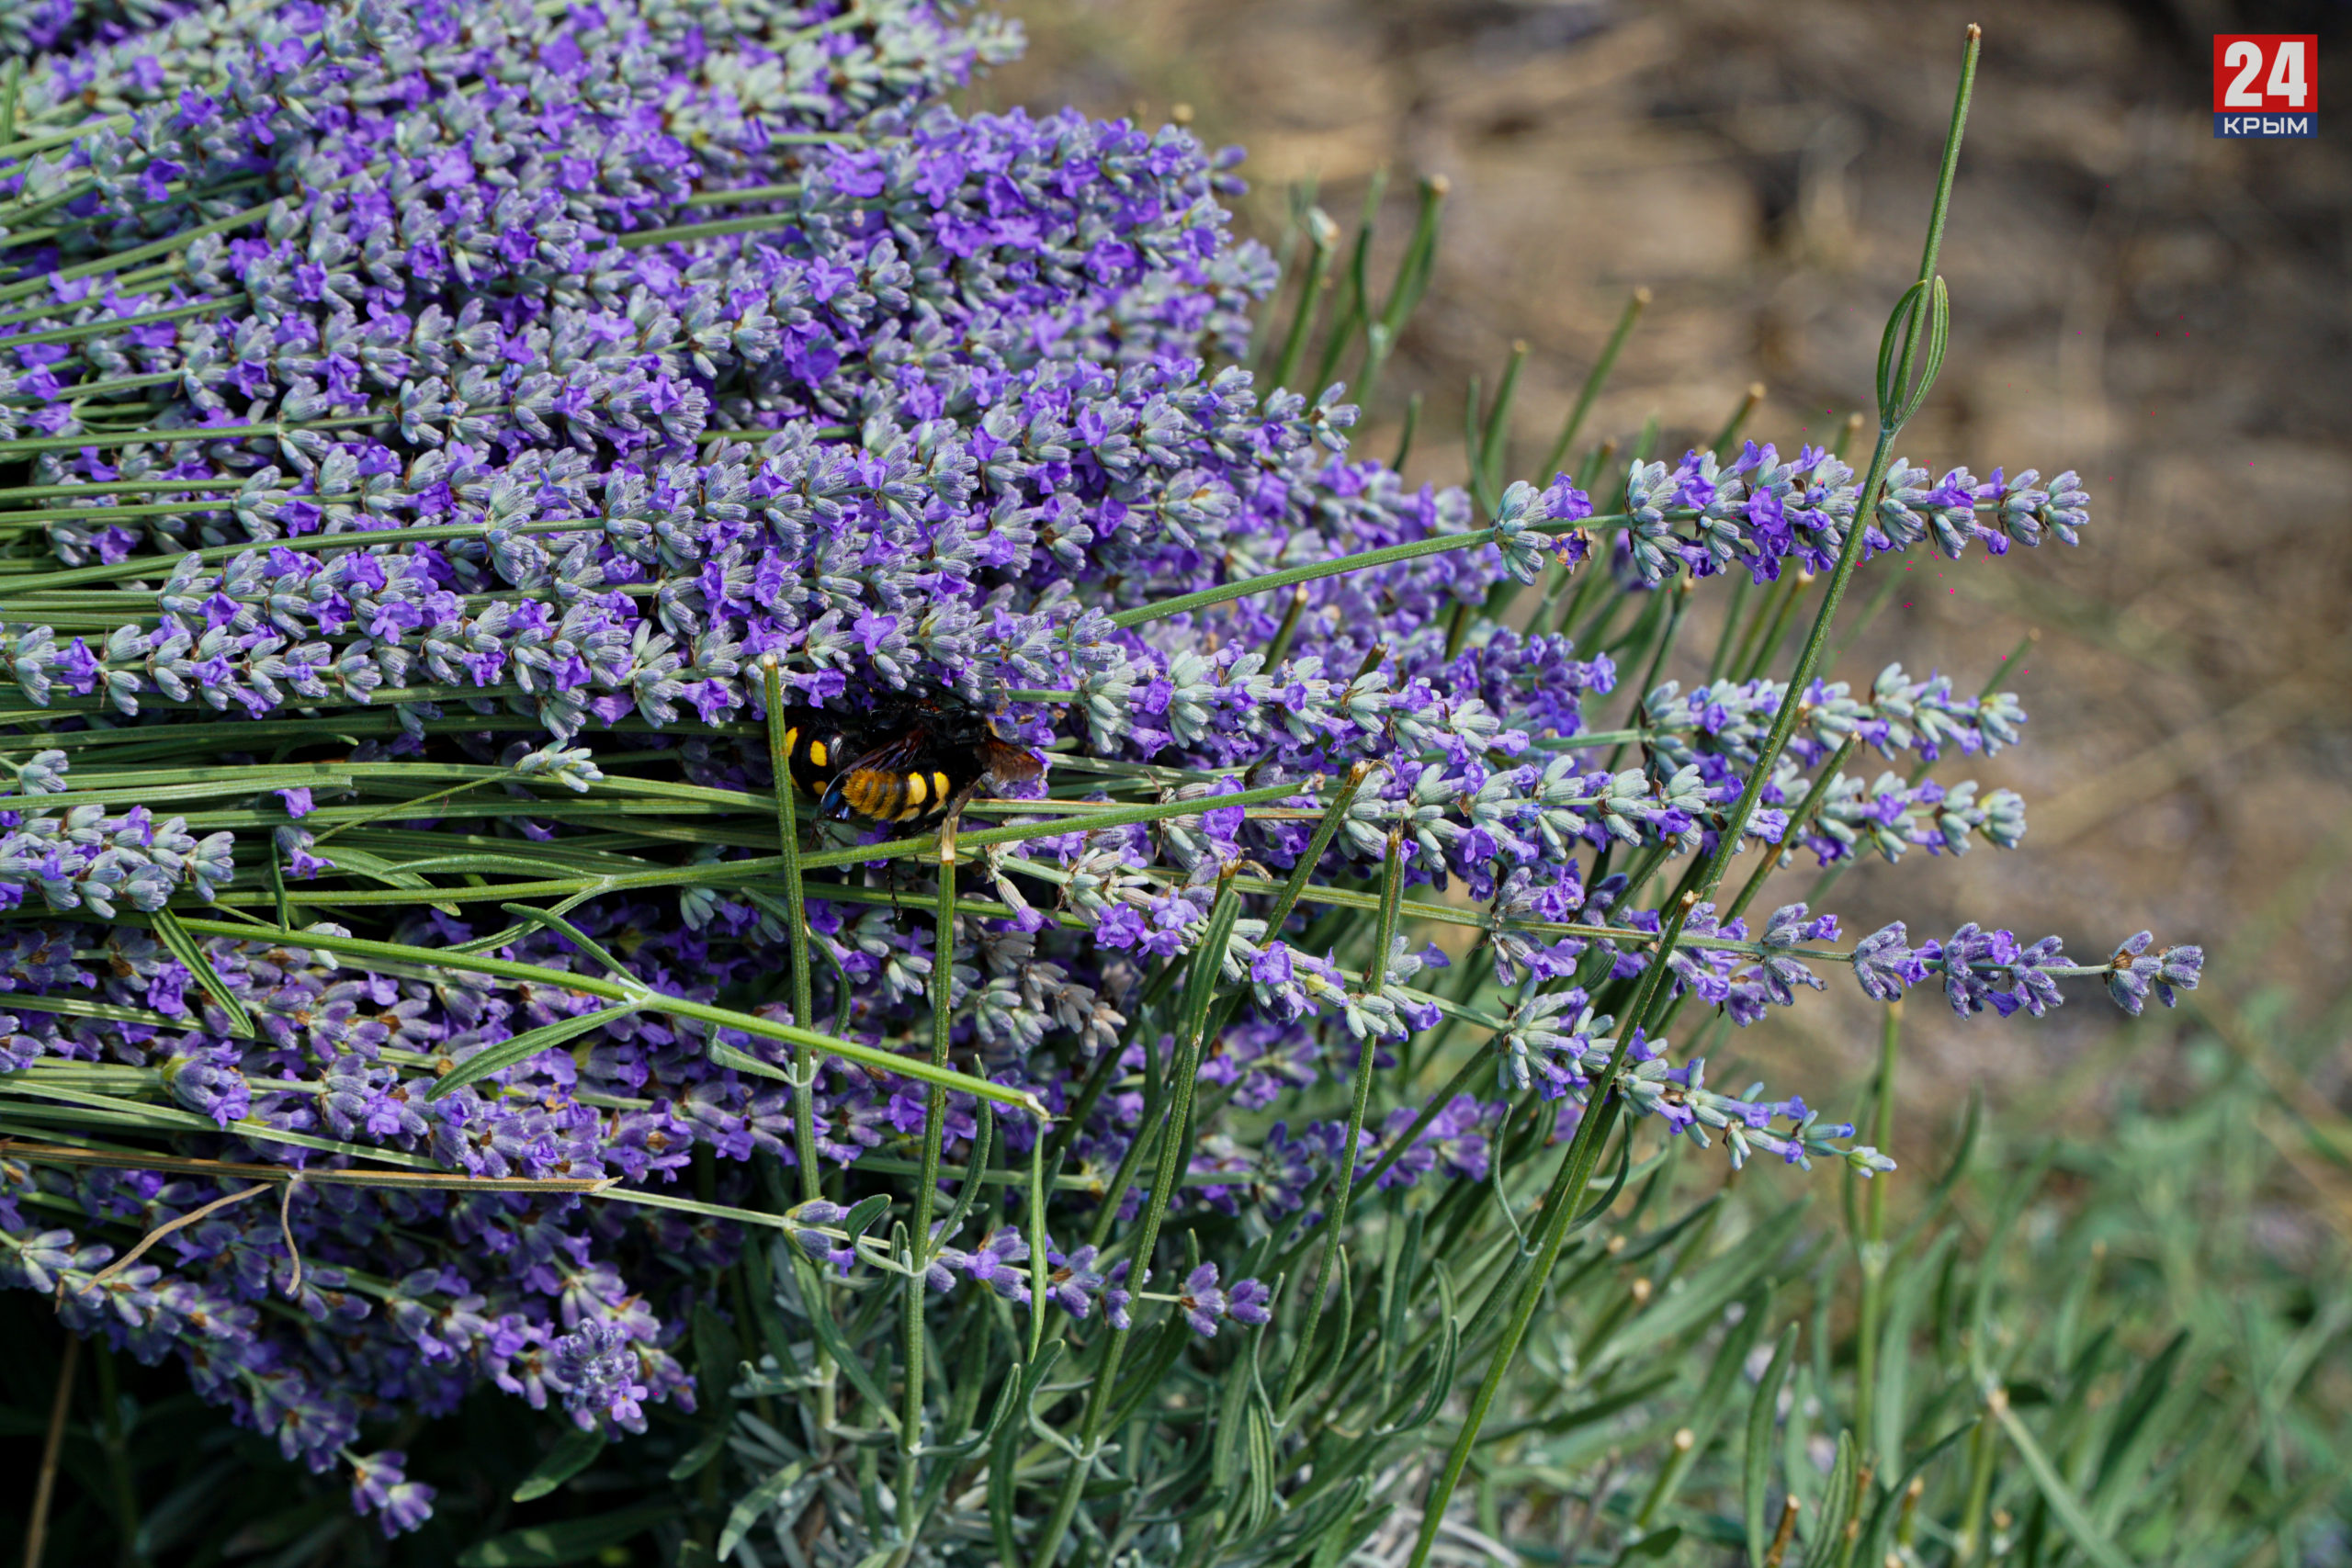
(2164, 311)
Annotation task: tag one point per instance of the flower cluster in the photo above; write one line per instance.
(83, 859)
(563, 373)
(1759, 512)
(1983, 969)
(53, 25)
(540, 1291)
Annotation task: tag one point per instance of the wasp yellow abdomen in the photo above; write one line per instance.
(885, 796)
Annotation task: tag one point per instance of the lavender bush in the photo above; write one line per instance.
(446, 439)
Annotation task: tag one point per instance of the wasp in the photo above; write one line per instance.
(910, 760)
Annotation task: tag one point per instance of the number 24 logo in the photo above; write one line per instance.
(2288, 85)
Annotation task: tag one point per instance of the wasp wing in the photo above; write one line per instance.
(1003, 763)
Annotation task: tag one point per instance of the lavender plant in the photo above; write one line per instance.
(428, 517)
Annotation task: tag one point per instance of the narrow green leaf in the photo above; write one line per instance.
(1323, 237)
(1879, 1537)
(1963, 1154)
(1912, 1286)
(1984, 1330)
(696, 1459)
(1412, 549)
(114, 1110)
(727, 1056)
(1375, 981)
(1714, 1399)
(828, 1334)
(795, 917)
(182, 945)
(1147, 1376)
(2147, 1392)
(651, 1199)
(1486, 456)
(2061, 1496)
(1562, 1200)
(1208, 964)
(573, 934)
(1634, 304)
(521, 1048)
(1445, 1353)
(976, 1171)
(1345, 1530)
(1008, 1399)
(1608, 1200)
(750, 1508)
(1323, 1345)
(1405, 436)
(1600, 1409)
(1890, 346)
(1003, 1491)
(1939, 339)
(353, 861)
(1755, 1470)
(1258, 1477)
(276, 1529)
(869, 1209)
(1720, 445)
(1352, 314)
(1473, 443)
(1396, 1283)
(1709, 1288)
(1225, 1449)
(543, 1546)
(573, 1452)
(717, 1356)
(1838, 1501)
(1657, 1543)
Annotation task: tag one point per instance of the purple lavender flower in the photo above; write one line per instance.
(1885, 965)
(1205, 1305)
(2179, 966)
(208, 1080)
(1074, 1284)
(380, 1485)
(597, 1369)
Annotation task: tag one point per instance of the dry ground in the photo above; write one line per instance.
(2162, 311)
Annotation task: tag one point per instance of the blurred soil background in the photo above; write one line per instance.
(2131, 298)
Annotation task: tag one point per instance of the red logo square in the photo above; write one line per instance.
(2266, 72)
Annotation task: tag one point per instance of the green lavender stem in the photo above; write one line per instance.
(934, 1128)
(1559, 1207)
(787, 827)
(1749, 403)
(1635, 304)
(1323, 236)
(1374, 980)
(1576, 1164)
(1208, 959)
(1871, 1246)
